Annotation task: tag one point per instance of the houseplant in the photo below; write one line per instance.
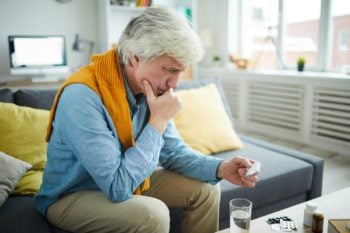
(301, 63)
(217, 60)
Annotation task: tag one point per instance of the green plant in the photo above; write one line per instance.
(301, 60)
(301, 63)
(216, 58)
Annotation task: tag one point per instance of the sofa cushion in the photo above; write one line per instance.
(281, 177)
(42, 99)
(6, 95)
(19, 214)
(23, 137)
(203, 123)
(11, 170)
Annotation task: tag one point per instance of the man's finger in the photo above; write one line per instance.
(148, 89)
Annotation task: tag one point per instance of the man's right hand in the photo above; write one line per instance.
(162, 108)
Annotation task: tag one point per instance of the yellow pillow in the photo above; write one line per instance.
(30, 183)
(23, 137)
(203, 122)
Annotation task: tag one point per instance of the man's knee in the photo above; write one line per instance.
(153, 217)
(211, 192)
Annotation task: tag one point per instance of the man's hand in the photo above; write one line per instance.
(234, 170)
(162, 108)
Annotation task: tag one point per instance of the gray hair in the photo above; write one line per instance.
(160, 31)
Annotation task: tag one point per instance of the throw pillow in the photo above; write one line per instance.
(30, 183)
(203, 122)
(23, 137)
(190, 84)
(11, 170)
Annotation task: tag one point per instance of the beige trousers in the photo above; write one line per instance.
(91, 211)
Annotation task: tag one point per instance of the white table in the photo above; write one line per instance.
(334, 206)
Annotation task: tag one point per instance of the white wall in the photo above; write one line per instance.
(47, 17)
(212, 18)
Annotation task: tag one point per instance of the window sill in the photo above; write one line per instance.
(273, 72)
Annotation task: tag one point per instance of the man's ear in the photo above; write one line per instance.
(134, 60)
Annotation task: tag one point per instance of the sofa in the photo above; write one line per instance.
(288, 177)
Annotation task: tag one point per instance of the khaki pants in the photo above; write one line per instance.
(91, 211)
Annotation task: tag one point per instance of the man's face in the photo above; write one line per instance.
(162, 72)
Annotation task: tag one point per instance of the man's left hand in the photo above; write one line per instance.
(235, 170)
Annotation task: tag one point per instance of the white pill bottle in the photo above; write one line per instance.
(310, 207)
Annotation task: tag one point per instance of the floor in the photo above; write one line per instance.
(336, 174)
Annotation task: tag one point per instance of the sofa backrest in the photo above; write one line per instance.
(43, 99)
(6, 95)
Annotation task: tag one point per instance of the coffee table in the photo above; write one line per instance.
(334, 206)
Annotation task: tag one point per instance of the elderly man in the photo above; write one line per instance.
(111, 127)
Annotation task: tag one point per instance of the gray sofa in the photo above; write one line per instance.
(288, 177)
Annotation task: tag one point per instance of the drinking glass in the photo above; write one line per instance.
(240, 215)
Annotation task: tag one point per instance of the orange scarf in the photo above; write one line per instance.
(104, 76)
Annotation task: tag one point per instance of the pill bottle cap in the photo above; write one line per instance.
(311, 206)
(318, 213)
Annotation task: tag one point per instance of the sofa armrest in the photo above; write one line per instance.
(316, 162)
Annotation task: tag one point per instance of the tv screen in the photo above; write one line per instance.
(38, 55)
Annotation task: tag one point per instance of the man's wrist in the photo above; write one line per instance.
(158, 125)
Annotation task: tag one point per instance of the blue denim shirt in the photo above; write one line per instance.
(84, 152)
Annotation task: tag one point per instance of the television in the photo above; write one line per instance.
(39, 56)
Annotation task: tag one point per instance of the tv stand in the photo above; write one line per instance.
(45, 79)
(37, 82)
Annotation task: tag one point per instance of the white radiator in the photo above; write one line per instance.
(303, 108)
(275, 106)
(331, 115)
(231, 87)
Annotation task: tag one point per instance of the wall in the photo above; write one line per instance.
(212, 17)
(45, 17)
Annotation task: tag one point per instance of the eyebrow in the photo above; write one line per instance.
(172, 68)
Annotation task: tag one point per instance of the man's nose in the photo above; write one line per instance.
(173, 81)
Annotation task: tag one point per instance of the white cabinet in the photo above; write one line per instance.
(114, 18)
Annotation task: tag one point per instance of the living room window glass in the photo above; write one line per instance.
(301, 31)
(276, 32)
(340, 22)
(260, 32)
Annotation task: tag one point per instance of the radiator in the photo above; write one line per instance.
(331, 115)
(275, 106)
(301, 108)
(231, 87)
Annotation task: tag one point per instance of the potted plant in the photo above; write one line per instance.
(217, 60)
(301, 63)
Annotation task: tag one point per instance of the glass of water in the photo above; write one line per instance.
(240, 215)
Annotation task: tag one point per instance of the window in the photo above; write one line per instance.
(276, 32)
(301, 31)
(260, 33)
(343, 42)
(340, 21)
